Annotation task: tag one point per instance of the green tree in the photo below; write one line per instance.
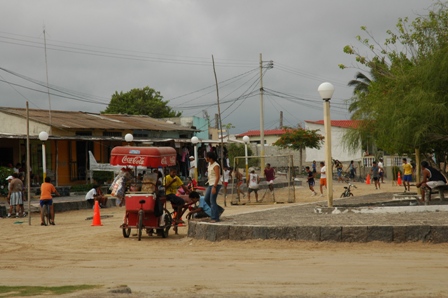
(299, 139)
(144, 101)
(235, 150)
(405, 107)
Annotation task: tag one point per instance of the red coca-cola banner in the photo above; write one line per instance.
(152, 157)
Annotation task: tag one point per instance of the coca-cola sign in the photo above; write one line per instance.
(133, 160)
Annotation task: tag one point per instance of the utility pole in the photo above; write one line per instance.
(48, 88)
(262, 161)
(281, 119)
(262, 164)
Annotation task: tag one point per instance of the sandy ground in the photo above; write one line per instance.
(74, 252)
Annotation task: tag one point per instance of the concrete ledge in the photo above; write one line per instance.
(222, 231)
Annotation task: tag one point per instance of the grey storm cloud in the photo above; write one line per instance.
(95, 48)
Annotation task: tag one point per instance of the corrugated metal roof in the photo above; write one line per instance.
(267, 132)
(85, 120)
(338, 123)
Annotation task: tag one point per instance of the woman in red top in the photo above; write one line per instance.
(46, 189)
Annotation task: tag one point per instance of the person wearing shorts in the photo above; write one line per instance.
(172, 183)
(375, 171)
(239, 182)
(252, 184)
(226, 175)
(46, 189)
(323, 178)
(431, 179)
(269, 174)
(310, 180)
(407, 175)
(15, 196)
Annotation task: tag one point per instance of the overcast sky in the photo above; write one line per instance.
(95, 48)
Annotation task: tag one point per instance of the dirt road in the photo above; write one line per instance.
(73, 252)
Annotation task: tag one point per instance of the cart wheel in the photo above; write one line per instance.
(140, 224)
(126, 232)
(168, 222)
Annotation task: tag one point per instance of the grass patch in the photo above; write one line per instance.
(14, 291)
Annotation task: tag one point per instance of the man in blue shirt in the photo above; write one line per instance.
(203, 210)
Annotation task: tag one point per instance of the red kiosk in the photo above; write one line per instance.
(140, 206)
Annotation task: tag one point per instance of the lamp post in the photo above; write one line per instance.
(246, 141)
(326, 91)
(43, 136)
(129, 138)
(195, 141)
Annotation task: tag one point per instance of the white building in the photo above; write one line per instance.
(338, 150)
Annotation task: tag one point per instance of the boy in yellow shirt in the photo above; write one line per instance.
(407, 175)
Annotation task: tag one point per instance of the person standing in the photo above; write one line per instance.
(338, 166)
(46, 189)
(323, 178)
(214, 185)
(381, 170)
(310, 180)
(226, 176)
(352, 170)
(407, 175)
(269, 174)
(252, 184)
(15, 194)
(239, 182)
(314, 167)
(375, 175)
(193, 166)
(431, 179)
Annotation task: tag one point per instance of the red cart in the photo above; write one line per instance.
(140, 206)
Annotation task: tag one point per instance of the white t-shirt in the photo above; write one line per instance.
(380, 165)
(226, 176)
(323, 172)
(91, 194)
(253, 181)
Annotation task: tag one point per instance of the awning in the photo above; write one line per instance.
(152, 157)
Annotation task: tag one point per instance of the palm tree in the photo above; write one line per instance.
(361, 86)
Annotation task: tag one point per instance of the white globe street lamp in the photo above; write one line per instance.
(326, 91)
(129, 138)
(43, 136)
(246, 141)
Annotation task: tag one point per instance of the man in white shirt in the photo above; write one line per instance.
(323, 177)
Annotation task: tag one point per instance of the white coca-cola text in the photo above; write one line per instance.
(133, 160)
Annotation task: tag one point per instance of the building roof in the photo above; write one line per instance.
(85, 120)
(256, 133)
(338, 123)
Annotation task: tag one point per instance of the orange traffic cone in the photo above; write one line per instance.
(96, 215)
(399, 179)
(368, 179)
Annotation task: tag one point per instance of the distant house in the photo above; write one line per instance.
(270, 136)
(338, 150)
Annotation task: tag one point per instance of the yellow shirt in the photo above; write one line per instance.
(407, 169)
(172, 189)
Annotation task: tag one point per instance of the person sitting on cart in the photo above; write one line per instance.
(203, 210)
(172, 183)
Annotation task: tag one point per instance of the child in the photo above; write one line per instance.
(239, 182)
(310, 180)
(252, 184)
(226, 176)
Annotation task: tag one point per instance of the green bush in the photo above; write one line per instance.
(103, 176)
(81, 187)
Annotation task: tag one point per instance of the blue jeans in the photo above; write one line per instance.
(210, 199)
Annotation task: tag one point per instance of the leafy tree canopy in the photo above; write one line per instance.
(299, 139)
(405, 106)
(144, 101)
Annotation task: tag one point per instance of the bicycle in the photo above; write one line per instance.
(347, 192)
(46, 210)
